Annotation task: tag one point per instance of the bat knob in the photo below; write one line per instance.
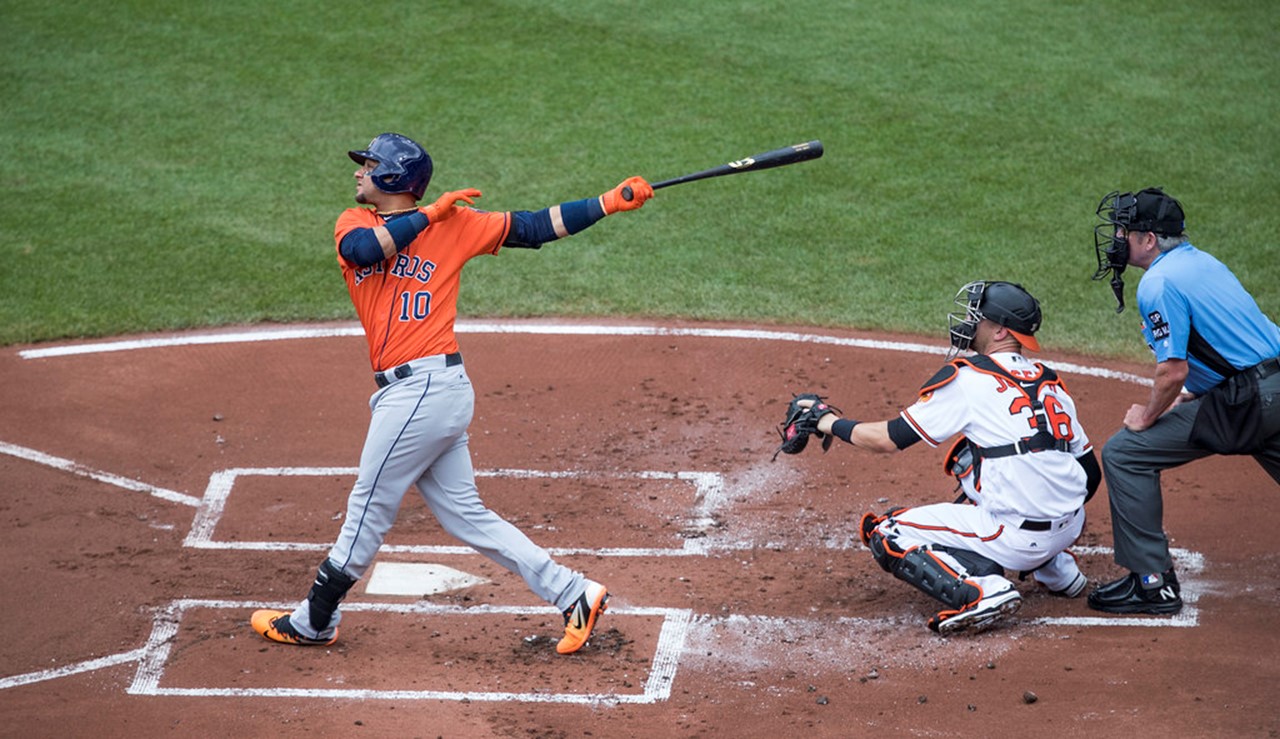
(626, 193)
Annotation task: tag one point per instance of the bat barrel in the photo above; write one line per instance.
(768, 160)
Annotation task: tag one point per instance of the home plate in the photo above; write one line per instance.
(411, 578)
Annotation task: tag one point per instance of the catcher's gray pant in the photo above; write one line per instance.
(1133, 460)
(418, 436)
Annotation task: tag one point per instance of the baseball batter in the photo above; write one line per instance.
(402, 265)
(1024, 463)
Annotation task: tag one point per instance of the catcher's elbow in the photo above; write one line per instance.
(874, 437)
(884, 446)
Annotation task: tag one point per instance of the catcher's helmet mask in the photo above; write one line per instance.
(1006, 304)
(403, 165)
(1124, 212)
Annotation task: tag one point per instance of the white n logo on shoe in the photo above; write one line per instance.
(1167, 593)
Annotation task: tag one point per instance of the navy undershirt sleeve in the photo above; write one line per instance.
(901, 433)
(405, 228)
(530, 230)
(1093, 473)
(361, 247)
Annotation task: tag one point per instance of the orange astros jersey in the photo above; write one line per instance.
(407, 304)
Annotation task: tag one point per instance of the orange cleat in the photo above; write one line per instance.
(274, 625)
(581, 618)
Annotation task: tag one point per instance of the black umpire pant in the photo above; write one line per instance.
(1132, 463)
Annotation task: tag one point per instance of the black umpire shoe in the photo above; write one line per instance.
(1134, 593)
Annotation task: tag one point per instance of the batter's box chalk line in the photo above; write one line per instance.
(79, 470)
(657, 687)
(708, 496)
(671, 641)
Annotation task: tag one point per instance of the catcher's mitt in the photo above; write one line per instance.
(802, 421)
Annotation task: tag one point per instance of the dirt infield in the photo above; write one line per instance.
(155, 494)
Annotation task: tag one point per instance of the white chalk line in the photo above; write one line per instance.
(1189, 563)
(239, 337)
(671, 643)
(73, 669)
(153, 656)
(166, 628)
(75, 468)
(657, 686)
(709, 495)
(498, 327)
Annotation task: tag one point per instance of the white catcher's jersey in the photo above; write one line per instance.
(991, 412)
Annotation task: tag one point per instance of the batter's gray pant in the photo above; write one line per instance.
(1133, 460)
(418, 438)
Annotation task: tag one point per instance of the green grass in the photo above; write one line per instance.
(174, 165)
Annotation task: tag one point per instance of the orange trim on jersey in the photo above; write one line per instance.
(918, 429)
(944, 375)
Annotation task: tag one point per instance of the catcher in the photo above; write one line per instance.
(1022, 460)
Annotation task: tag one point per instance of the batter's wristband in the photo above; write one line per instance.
(843, 429)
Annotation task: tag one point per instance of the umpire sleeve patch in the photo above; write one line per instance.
(1159, 326)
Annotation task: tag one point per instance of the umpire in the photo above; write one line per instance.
(1216, 388)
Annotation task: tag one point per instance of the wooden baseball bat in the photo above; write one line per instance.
(768, 160)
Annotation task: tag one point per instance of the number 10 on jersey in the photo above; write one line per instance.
(415, 306)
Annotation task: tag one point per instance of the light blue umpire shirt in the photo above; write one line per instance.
(1186, 289)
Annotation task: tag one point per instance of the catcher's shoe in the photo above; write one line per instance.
(274, 625)
(1134, 593)
(580, 619)
(979, 615)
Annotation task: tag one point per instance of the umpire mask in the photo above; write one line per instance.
(1110, 240)
(1122, 212)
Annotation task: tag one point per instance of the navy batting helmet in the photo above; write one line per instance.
(403, 165)
(1007, 304)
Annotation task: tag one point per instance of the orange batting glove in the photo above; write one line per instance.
(443, 208)
(617, 199)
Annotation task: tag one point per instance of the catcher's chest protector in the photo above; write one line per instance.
(1043, 439)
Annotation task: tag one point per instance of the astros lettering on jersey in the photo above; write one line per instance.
(408, 303)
